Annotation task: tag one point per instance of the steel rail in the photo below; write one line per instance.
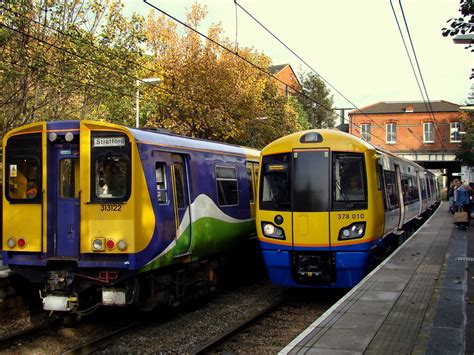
(238, 328)
(27, 334)
(101, 341)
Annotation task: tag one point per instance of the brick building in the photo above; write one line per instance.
(410, 130)
(285, 73)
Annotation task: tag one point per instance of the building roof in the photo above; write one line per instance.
(407, 106)
(273, 69)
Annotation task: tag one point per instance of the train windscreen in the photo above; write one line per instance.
(349, 181)
(275, 185)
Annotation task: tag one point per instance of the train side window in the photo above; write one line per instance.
(179, 179)
(379, 176)
(424, 188)
(409, 189)
(391, 190)
(161, 186)
(23, 178)
(250, 181)
(226, 179)
(69, 178)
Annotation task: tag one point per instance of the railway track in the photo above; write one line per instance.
(102, 341)
(212, 344)
(28, 334)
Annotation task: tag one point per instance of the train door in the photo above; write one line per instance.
(173, 213)
(401, 198)
(179, 184)
(66, 239)
(311, 197)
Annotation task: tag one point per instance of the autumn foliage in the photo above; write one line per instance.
(81, 60)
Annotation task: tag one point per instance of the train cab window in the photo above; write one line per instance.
(161, 186)
(111, 176)
(110, 167)
(275, 183)
(226, 179)
(349, 181)
(69, 178)
(23, 177)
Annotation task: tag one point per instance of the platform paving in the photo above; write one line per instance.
(413, 303)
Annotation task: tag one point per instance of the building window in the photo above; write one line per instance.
(455, 132)
(365, 132)
(391, 133)
(428, 132)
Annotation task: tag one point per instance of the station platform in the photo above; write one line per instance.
(420, 300)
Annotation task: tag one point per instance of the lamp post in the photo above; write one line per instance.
(150, 81)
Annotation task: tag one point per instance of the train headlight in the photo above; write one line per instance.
(98, 244)
(271, 231)
(354, 231)
(11, 242)
(122, 245)
(69, 137)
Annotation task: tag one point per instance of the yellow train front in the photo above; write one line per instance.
(330, 205)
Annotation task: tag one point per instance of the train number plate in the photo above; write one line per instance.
(111, 207)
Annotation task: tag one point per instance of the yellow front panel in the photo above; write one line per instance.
(287, 226)
(22, 221)
(341, 219)
(132, 221)
(25, 220)
(310, 229)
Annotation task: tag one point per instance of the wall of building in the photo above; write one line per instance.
(286, 75)
(409, 130)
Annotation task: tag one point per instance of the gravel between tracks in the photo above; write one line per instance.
(187, 329)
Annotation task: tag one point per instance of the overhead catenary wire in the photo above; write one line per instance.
(313, 70)
(423, 90)
(265, 71)
(115, 71)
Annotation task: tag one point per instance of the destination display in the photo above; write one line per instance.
(109, 142)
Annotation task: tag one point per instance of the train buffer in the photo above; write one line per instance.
(419, 300)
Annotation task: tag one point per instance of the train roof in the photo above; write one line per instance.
(335, 139)
(330, 138)
(169, 139)
(158, 137)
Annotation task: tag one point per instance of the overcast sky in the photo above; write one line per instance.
(354, 44)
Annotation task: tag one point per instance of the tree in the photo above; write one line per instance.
(208, 92)
(462, 24)
(465, 153)
(317, 102)
(63, 59)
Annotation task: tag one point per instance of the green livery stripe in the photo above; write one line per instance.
(212, 232)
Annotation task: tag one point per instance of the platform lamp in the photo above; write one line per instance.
(150, 81)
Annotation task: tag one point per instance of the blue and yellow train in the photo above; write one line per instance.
(330, 205)
(102, 214)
